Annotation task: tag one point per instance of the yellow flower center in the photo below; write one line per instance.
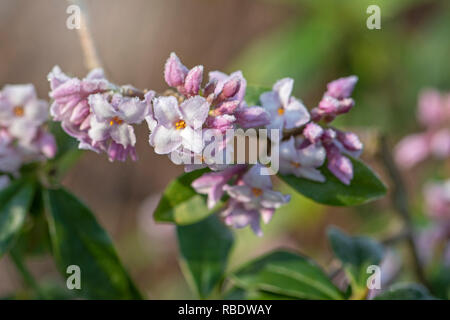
(295, 164)
(280, 111)
(115, 120)
(180, 125)
(19, 111)
(257, 192)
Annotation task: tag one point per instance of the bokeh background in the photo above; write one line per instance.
(309, 40)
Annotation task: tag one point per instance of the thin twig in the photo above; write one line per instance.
(400, 204)
(91, 57)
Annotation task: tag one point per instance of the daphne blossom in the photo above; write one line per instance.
(213, 183)
(252, 197)
(286, 112)
(98, 113)
(113, 117)
(336, 100)
(188, 82)
(302, 162)
(178, 125)
(178, 121)
(23, 136)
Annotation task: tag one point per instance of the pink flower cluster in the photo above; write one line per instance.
(304, 154)
(23, 136)
(97, 112)
(434, 114)
(251, 197)
(178, 121)
(101, 116)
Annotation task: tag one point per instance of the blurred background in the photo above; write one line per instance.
(312, 41)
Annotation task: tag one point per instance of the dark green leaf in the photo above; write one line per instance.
(440, 281)
(15, 200)
(253, 93)
(204, 249)
(77, 239)
(180, 203)
(356, 254)
(407, 291)
(288, 274)
(365, 186)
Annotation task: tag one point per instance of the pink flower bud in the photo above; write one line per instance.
(329, 105)
(227, 107)
(193, 81)
(222, 122)
(342, 88)
(249, 117)
(349, 140)
(312, 132)
(230, 88)
(175, 72)
(340, 166)
(345, 105)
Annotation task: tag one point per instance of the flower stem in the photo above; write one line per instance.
(91, 57)
(401, 206)
(27, 277)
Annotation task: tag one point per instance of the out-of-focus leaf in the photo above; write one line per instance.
(407, 291)
(204, 249)
(287, 274)
(364, 187)
(77, 239)
(356, 254)
(440, 282)
(180, 203)
(15, 201)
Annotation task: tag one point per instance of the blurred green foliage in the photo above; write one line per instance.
(327, 39)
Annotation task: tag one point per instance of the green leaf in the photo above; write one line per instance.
(356, 254)
(67, 155)
(253, 93)
(287, 274)
(180, 203)
(204, 249)
(365, 186)
(15, 201)
(406, 291)
(440, 281)
(78, 239)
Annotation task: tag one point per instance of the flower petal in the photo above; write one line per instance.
(167, 111)
(123, 134)
(101, 107)
(194, 111)
(165, 140)
(284, 89)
